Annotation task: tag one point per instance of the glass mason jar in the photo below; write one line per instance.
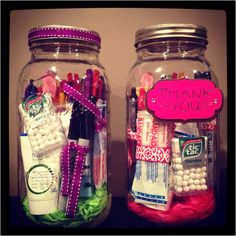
(63, 102)
(172, 126)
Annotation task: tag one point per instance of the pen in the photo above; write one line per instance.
(86, 134)
(133, 109)
(103, 97)
(70, 82)
(174, 75)
(100, 139)
(87, 116)
(95, 82)
(132, 144)
(75, 121)
(30, 90)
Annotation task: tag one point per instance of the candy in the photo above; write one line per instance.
(179, 189)
(198, 170)
(180, 172)
(202, 181)
(38, 136)
(198, 187)
(178, 167)
(198, 176)
(192, 176)
(186, 172)
(42, 131)
(190, 181)
(50, 142)
(50, 137)
(59, 139)
(204, 187)
(203, 174)
(41, 146)
(192, 187)
(186, 189)
(47, 137)
(179, 181)
(186, 177)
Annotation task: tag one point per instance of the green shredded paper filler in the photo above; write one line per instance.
(87, 210)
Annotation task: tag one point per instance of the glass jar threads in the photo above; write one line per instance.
(172, 125)
(63, 98)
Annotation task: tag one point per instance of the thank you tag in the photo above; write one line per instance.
(184, 99)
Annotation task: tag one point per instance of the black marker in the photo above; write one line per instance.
(133, 105)
(85, 139)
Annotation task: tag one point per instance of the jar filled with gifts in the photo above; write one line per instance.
(173, 105)
(63, 98)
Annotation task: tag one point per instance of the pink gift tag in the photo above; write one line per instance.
(184, 99)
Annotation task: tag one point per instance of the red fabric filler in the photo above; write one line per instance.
(183, 209)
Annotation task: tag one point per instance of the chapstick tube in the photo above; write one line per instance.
(41, 177)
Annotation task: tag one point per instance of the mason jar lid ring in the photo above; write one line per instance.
(171, 31)
(63, 32)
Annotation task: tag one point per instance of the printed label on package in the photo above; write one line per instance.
(193, 151)
(37, 104)
(39, 179)
(184, 99)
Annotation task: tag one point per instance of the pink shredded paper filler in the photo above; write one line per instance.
(183, 209)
